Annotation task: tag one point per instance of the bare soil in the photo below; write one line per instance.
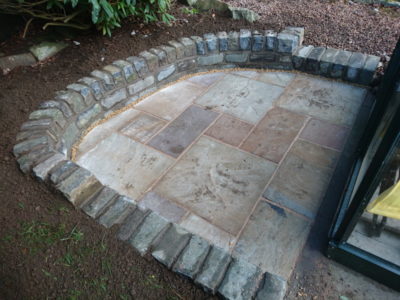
(50, 251)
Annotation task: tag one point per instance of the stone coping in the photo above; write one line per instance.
(45, 144)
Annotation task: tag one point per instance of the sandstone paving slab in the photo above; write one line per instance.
(127, 166)
(248, 73)
(143, 127)
(278, 78)
(208, 231)
(272, 239)
(171, 101)
(180, 133)
(229, 130)
(104, 130)
(273, 135)
(241, 97)
(302, 178)
(207, 79)
(332, 101)
(217, 182)
(325, 134)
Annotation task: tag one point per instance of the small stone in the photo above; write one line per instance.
(171, 53)
(84, 91)
(151, 60)
(114, 98)
(327, 60)
(8, 63)
(258, 42)
(61, 105)
(49, 113)
(271, 40)
(299, 31)
(212, 42)
(222, 41)
(62, 171)
(211, 59)
(70, 136)
(186, 65)
(106, 78)
(200, 45)
(313, 60)
(28, 160)
(368, 71)
(245, 39)
(166, 72)
(94, 84)
(100, 202)
(179, 49)
(171, 245)
(272, 287)
(189, 46)
(117, 212)
(131, 223)
(140, 65)
(339, 66)
(127, 69)
(162, 56)
(239, 13)
(233, 41)
(300, 57)
(140, 85)
(287, 42)
(47, 49)
(237, 57)
(88, 115)
(42, 170)
(262, 57)
(356, 62)
(28, 145)
(116, 73)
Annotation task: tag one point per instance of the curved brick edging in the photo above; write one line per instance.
(45, 142)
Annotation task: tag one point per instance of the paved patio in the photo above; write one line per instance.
(240, 158)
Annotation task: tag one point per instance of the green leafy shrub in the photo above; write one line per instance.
(106, 15)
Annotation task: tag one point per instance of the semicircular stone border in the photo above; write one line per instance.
(45, 143)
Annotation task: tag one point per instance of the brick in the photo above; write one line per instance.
(84, 91)
(257, 42)
(42, 170)
(368, 71)
(127, 69)
(356, 62)
(200, 45)
(237, 57)
(313, 60)
(190, 46)
(327, 60)
(61, 105)
(233, 41)
(211, 41)
(140, 85)
(271, 40)
(339, 66)
(212, 59)
(222, 41)
(131, 223)
(114, 98)
(117, 212)
(49, 113)
(140, 65)
(272, 287)
(166, 72)
(179, 49)
(300, 56)
(99, 202)
(88, 116)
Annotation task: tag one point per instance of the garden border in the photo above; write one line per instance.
(46, 141)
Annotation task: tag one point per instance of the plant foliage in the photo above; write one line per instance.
(106, 15)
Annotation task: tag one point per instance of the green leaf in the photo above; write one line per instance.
(107, 8)
(95, 10)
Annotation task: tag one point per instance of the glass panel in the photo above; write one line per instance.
(378, 229)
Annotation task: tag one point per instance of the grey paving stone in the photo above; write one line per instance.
(262, 57)
(62, 171)
(28, 145)
(272, 288)
(186, 65)
(49, 113)
(174, 139)
(88, 115)
(140, 85)
(46, 49)
(190, 46)
(170, 52)
(313, 60)
(99, 202)
(170, 245)
(10, 62)
(287, 42)
(127, 69)
(94, 84)
(165, 208)
(140, 65)
(152, 227)
(213, 270)
(70, 136)
(356, 62)
(237, 57)
(257, 41)
(116, 73)
(42, 170)
(117, 212)
(233, 41)
(73, 99)
(162, 56)
(131, 223)
(300, 57)
(28, 160)
(191, 259)
(212, 59)
(79, 186)
(84, 91)
(105, 77)
(240, 282)
(179, 49)
(368, 71)
(339, 66)
(245, 39)
(166, 72)
(222, 41)
(114, 98)
(200, 45)
(151, 60)
(327, 60)
(211, 41)
(60, 105)
(271, 40)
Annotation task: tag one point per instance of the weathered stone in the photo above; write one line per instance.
(116, 73)
(300, 56)
(186, 65)
(84, 90)
(211, 41)
(131, 223)
(258, 41)
(127, 69)
(88, 115)
(200, 45)
(42, 170)
(94, 84)
(151, 59)
(212, 59)
(241, 281)
(45, 50)
(205, 5)
(233, 41)
(356, 62)
(190, 261)
(62, 171)
(222, 41)
(140, 85)
(49, 113)
(170, 245)
(30, 134)
(140, 65)
(368, 71)
(70, 135)
(339, 66)
(28, 145)
(61, 105)
(262, 57)
(170, 52)
(10, 62)
(190, 46)
(114, 98)
(79, 186)
(245, 39)
(299, 31)
(166, 72)
(287, 42)
(327, 60)
(117, 212)
(152, 227)
(240, 57)
(41, 124)
(313, 60)
(162, 56)
(239, 13)
(106, 78)
(28, 160)
(272, 287)
(271, 40)
(213, 270)
(179, 49)
(99, 202)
